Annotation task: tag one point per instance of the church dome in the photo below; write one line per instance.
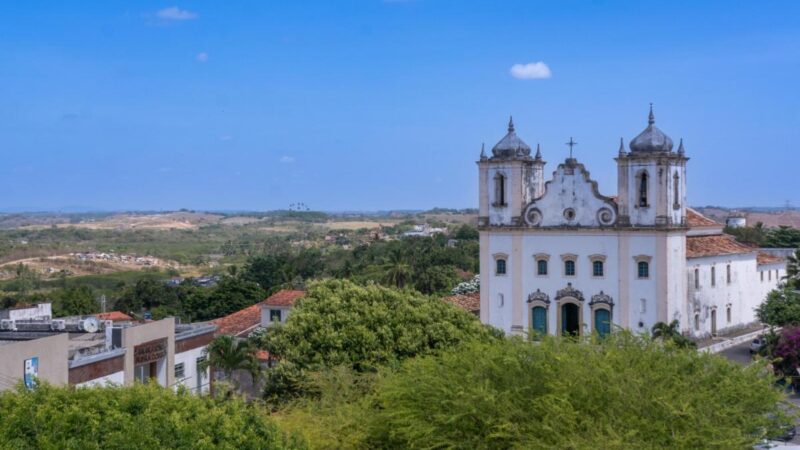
(651, 139)
(511, 145)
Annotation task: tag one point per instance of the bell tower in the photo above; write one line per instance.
(509, 180)
(651, 180)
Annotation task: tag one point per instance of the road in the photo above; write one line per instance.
(741, 354)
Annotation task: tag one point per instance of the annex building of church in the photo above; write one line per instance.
(557, 256)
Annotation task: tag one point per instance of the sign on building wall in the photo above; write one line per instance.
(150, 351)
(31, 372)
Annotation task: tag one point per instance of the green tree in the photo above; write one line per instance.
(782, 307)
(793, 269)
(137, 417)
(671, 332)
(398, 271)
(229, 354)
(229, 295)
(624, 392)
(782, 237)
(74, 301)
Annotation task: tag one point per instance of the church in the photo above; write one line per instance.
(559, 257)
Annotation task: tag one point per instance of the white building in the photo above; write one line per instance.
(557, 256)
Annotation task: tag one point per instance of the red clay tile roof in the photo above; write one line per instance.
(766, 258)
(695, 219)
(114, 316)
(717, 244)
(468, 302)
(245, 320)
(285, 297)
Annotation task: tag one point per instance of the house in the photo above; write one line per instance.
(276, 308)
(243, 322)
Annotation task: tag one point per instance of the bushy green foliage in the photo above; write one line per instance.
(137, 417)
(340, 323)
(625, 392)
(782, 237)
(74, 301)
(781, 307)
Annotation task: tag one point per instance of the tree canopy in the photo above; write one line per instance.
(624, 392)
(136, 417)
(781, 307)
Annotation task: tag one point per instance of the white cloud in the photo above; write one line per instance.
(531, 71)
(175, 13)
(202, 57)
(286, 159)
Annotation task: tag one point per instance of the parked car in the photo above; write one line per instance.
(756, 345)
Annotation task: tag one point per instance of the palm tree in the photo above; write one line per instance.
(671, 331)
(398, 271)
(793, 268)
(228, 354)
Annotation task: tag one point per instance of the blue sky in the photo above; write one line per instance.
(367, 105)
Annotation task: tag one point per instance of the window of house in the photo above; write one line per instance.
(777, 276)
(762, 276)
(274, 315)
(728, 274)
(643, 269)
(539, 320)
(728, 313)
(696, 321)
(500, 189)
(597, 268)
(713, 276)
(769, 275)
(500, 268)
(643, 189)
(569, 268)
(541, 267)
(697, 278)
(180, 371)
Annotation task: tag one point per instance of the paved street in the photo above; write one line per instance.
(741, 355)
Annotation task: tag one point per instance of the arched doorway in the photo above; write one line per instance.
(602, 321)
(713, 322)
(570, 319)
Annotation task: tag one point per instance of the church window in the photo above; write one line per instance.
(643, 269)
(696, 321)
(643, 190)
(728, 274)
(569, 268)
(728, 313)
(541, 267)
(713, 276)
(500, 266)
(539, 320)
(500, 299)
(499, 190)
(643, 305)
(676, 182)
(597, 268)
(697, 278)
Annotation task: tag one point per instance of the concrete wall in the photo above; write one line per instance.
(140, 334)
(51, 351)
(265, 314)
(117, 378)
(192, 379)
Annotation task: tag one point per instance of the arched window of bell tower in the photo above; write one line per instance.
(499, 190)
(642, 190)
(676, 191)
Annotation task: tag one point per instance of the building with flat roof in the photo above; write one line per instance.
(85, 351)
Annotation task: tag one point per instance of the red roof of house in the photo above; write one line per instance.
(245, 320)
(468, 302)
(284, 297)
(114, 316)
(695, 219)
(716, 244)
(766, 258)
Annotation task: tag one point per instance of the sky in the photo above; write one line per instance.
(382, 104)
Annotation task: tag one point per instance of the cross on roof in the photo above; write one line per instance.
(571, 144)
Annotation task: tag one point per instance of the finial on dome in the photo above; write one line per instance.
(483, 150)
(538, 151)
(680, 147)
(651, 119)
(621, 147)
(510, 124)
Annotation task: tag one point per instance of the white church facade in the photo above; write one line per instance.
(557, 256)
